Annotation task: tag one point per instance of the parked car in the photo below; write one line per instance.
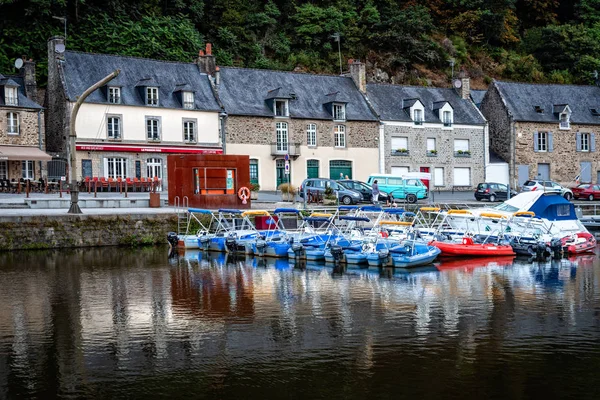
(318, 185)
(547, 186)
(586, 191)
(410, 189)
(364, 189)
(493, 191)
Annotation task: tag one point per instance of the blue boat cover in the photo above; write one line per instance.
(371, 208)
(554, 208)
(230, 211)
(199, 211)
(286, 210)
(396, 211)
(317, 219)
(353, 218)
(347, 208)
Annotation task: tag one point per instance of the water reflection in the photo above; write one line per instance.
(133, 323)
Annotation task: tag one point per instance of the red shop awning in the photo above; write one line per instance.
(148, 149)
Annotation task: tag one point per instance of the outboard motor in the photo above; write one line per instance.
(231, 244)
(204, 242)
(261, 245)
(173, 240)
(337, 252)
(556, 248)
(299, 251)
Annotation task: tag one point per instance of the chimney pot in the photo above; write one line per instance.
(208, 49)
(201, 53)
(350, 60)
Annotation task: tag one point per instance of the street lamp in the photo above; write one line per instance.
(64, 21)
(451, 62)
(74, 209)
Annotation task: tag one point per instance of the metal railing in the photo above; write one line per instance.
(282, 148)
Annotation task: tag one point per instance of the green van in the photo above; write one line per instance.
(410, 189)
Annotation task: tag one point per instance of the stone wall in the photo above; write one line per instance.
(495, 112)
(261, 130)
(68, 231)
(445, 158)
(564, 159)
(28, 127)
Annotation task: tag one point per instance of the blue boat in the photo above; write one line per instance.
(412, 253)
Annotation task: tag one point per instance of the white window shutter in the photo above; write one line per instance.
(592, 142)
(578, 141)
(536, 137)
(550, 144)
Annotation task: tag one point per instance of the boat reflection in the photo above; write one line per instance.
(468, 264)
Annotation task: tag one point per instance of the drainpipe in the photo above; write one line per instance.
(486, 151)
(514, 155)
(381, 148)
(40, 136)
(223, 122)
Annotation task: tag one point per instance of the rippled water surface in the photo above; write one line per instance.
(132, 323)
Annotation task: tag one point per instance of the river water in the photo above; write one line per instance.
(132, 323)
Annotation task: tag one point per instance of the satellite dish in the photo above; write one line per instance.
(457, 83)
(60, 48)
(18, 63)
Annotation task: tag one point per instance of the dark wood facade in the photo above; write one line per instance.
(208, 181)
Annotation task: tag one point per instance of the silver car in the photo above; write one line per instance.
(547, 186)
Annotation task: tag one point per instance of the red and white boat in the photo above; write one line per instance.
(467, 247)
(580, 242)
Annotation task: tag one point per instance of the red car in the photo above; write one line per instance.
(586, 191)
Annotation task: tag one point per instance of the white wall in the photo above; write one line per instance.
(497, 173)
(91, 122)
(365, 161)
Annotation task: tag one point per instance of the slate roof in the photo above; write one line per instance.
(387, 101)
(243, 92)
(477, 96)
(522, 99)
(24, 101)
(84, 69)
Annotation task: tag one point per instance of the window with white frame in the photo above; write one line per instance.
(115, 167)
(281, 131)
(152, 96)
(418, 116)
(462, 176)
(253, 170)
(447, 118)
(438, 176)
(12, 122)
(564, 121)
(281, 108)
(461, 146)
(3, 169)
(153, 128)
(113, 126)
(189, 131)
(114, 95)
(27, 169)
(339, 136)
(542, 141)
(11, 96)
(431, 146)
(339, 112)
(585, 142)
(188, 100)
(399, 144)
(311, 135)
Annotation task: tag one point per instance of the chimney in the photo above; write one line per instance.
(358, 72)
(28, 74)
(206, 61)
(465, 86)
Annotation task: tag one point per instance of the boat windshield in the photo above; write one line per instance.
(506, 207)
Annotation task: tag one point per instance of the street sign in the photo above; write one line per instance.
(287, 167)
(287, 157)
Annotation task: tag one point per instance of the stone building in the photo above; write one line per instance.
(433, 130)
(322, 123)
(126, 128)
(22, 154)
(544, 131)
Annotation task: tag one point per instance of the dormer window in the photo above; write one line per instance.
(188, 100)
(281, 108)
(447, 118)
(339, 112)
(114, 95)
(11, 96)
(418, 117)
(152, 96)
(565, 122)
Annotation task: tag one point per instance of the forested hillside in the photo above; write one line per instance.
(404, 41)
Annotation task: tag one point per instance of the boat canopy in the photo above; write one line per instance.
(371, 208)
(317, 219)
(554, 208)
(199, 211)
(255, 212)
(347, 208)
(394, 211)
(353, 218)
(230, 211)
(286, 210)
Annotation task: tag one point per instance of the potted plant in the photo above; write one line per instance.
(288, 192)
(329, 198)
(254, 188)
(433, 152)
(402, 151)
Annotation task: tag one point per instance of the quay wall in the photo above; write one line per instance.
(69, 231)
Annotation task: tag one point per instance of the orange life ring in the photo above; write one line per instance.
(244, 193)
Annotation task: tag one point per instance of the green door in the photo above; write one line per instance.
(312, 168)
(339, 169)
(281, 176)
